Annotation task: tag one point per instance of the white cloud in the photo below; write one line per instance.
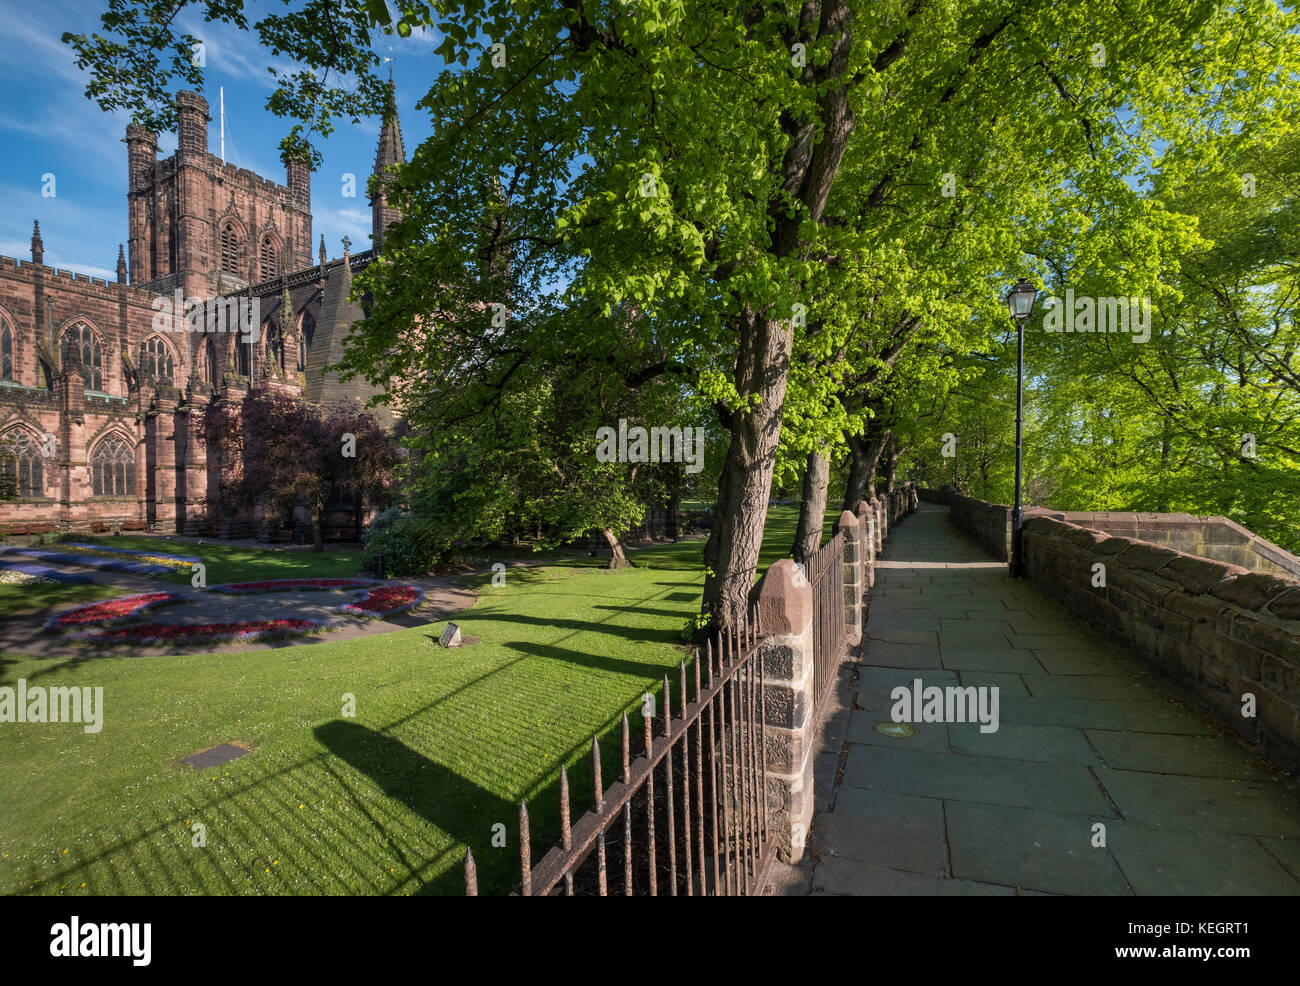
(421, 41)
(238, 54)
(68, 117)
(334, 224)
(23, 42)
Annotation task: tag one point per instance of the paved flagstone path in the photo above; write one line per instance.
(1088, 734)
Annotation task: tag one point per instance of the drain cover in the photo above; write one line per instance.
(898, 730)
(217, 755)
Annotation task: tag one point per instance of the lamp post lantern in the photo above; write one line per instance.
(1021, 302)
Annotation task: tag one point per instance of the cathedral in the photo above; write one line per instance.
(104, 386)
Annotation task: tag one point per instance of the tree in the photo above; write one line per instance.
(730, 172)
(291, 452)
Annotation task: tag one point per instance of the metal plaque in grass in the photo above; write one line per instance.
(214, 756)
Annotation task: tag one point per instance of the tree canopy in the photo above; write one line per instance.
(798, 221)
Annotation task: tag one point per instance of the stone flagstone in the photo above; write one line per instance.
(1089, 736)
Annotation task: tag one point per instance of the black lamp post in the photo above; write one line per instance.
(1021, 302)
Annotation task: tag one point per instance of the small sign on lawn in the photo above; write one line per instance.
(451, 636)
(214, 756)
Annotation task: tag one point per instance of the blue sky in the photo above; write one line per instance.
(48, 126)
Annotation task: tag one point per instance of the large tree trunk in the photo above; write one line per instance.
(617, 556)
(812, 508)
(765, 338)
(891, 465)
(731, 553)
(317, 535)
(865, 457)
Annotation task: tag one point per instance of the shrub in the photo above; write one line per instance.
(410, 546)
(382, 521)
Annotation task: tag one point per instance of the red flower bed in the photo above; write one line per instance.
(111, 610)
(290, 585)
(384, 601)
(245, 631)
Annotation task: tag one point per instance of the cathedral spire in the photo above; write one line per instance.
(390, 153)
(121, 264)
(38, 248)
(390, 150)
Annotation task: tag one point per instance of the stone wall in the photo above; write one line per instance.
(1217, 538)
(1225, 633)
(987, 523)
(1206, 537)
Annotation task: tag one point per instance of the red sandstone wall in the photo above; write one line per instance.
(1218, 629)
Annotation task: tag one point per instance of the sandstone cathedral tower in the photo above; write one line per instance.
(101, 413)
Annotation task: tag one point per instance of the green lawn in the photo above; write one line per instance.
(227, 563)
(442, 747)
(44, 598)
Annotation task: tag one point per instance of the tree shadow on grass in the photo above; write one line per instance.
(644, 635)
(679, 614)
(650, 670)
(455, 805)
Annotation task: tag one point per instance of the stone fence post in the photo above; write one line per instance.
(786, 621)
(867, 523)
(882, 521)
(853, 588)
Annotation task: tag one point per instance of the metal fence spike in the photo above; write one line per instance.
(525, 853)
(471, 874)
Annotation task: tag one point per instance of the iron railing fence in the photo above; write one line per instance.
(689, 814)
(826, 575)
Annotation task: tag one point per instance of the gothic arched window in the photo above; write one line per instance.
(20, 464)
(241, 355)
(270, 259)
(230, 250)
(305, 334)
(210, 363)
(156, 359)
(112, 468)
(6, 351)
(82, 339)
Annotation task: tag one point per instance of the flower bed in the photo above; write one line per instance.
(42, 573)
(95, 561)
(246, 631)
(9, 576)
(388, 600)
(155, 557)
(290, 585)
(111, 611)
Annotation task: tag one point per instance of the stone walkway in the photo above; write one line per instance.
(1087, 735)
